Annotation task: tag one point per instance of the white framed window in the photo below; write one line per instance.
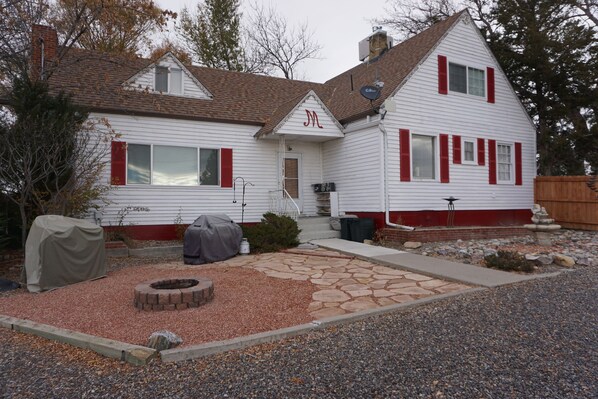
(175, 166)
(467, 80)
(139, 161)
(423, 157)
(469, 152)
(168, 80)
(167, 165)
(504, 162)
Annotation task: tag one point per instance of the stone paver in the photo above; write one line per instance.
(346, 284)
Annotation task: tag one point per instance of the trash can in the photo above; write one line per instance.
(346, 227)
(361, 229)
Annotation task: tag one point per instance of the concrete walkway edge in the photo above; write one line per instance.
(430, 266)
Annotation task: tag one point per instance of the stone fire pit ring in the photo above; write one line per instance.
(174, 293)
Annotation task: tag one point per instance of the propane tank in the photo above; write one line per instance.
(244, 250)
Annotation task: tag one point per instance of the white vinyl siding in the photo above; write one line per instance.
(255, 161)
(355, 164)
(297, 123)
(422, 110)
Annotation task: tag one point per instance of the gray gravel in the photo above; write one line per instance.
(531, 340)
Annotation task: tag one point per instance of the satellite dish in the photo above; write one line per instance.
(372, 93)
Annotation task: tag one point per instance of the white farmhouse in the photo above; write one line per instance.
(443, 121)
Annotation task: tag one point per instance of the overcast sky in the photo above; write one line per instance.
(338, 25)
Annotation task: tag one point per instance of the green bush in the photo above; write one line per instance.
(508, 261)
(272, 234)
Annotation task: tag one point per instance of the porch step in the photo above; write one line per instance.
(316, 228)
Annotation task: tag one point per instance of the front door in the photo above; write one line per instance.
(292, 178)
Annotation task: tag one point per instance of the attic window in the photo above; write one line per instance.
(467, 80)
(168, 80)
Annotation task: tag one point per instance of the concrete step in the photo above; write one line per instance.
(318, 235)
(307, 220)
(315, 227)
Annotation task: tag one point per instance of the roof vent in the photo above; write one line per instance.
(375, 44)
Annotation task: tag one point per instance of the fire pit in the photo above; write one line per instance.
(173, 294)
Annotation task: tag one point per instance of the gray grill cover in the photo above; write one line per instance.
(60, 251)
(211, 238)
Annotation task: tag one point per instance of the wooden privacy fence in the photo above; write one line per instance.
(569, 200)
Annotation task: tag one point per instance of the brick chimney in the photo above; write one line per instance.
(44, 44)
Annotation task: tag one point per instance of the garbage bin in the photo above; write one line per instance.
(346, 224)
(361, 229)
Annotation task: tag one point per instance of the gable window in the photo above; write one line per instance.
(172, 165)
(423, 149)
(161, 81)
(505, 162)
(467, 80)
(469, 151)
(168, 80)
(176, 81)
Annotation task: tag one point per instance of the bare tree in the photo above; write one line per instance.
(277, 45)
(409, 17)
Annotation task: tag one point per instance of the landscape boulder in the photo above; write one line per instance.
(162, 340)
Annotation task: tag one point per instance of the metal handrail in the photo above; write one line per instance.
(283, 195)
(293, 201)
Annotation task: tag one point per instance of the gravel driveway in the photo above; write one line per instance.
(531, 340)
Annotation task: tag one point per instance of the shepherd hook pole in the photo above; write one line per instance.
(243, 204)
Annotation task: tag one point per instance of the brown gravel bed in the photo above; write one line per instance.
(245, 302)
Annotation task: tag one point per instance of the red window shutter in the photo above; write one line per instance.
(456, 149)
(481, 152)
(118, 163)
(492, 161)
(444, 158)
(404, 140)
(442, 75)
(226, 167)
(518, 170)
(490, 84)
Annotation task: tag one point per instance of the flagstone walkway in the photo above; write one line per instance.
(345, 284)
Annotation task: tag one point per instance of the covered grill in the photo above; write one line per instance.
(62, 251)
(211, 238)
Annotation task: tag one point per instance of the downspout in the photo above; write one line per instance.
(386, 195)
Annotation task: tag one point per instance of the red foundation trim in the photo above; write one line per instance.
(489, 217)
(164, 232)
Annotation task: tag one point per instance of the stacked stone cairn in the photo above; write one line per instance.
(542, 225)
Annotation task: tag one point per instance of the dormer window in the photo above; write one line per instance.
(168, 80)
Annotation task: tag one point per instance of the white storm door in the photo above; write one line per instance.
(292, 178)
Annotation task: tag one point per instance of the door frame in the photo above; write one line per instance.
(299, 158)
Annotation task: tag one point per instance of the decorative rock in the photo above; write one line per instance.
(564, 260)
(412, 244)
(162, 340)
(489, 252)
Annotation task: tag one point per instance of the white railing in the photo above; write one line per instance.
(281, 203)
